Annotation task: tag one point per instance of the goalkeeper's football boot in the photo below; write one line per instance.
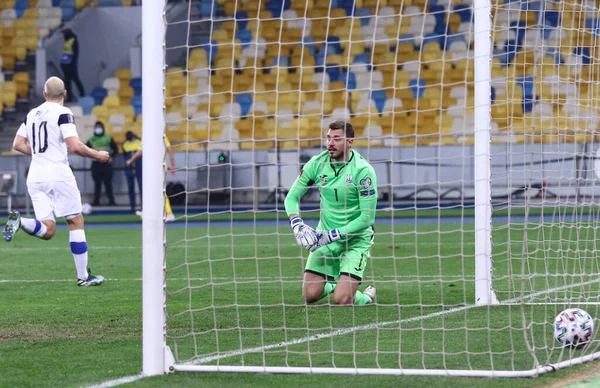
(91, 280)
(12, 225)
(371, 292)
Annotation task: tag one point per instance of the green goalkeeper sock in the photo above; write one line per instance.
(361, 298)
(328, 289)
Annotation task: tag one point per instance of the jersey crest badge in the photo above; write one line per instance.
(349, 178)
(323, 179)
(365, 183)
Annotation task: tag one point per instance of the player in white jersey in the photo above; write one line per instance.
(47, 133)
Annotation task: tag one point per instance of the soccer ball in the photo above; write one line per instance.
(573, 327)
(86, 208)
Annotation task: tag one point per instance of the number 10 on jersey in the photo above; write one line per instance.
(40, 148)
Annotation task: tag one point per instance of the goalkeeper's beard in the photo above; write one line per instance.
(336, 155)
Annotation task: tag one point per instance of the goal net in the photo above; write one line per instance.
(479, 120)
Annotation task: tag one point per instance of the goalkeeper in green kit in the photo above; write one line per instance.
(340, 246)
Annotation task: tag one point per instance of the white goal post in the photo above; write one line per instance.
(468, 284)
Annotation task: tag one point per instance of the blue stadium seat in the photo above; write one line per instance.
(99, 95)
(211, 49)
(242, 20)
(136, 84)
(245, 101)
(348, 5)
(56, 3)
(364, 14)
(20, 7)
(281, 61)
(309, 43)
(349, 79)
(245, 36)
(207, 9)
(527, 83)
(333, 70)
(418, 87)
(584, 53)
(379, 96)
(277, 7)
(86, 103)
(333, 43)
(550, 18)
(464, 11)
(320, 60)
(594, 25)
(531, 5)
(136, 102)
(556, 54)
(363, 58)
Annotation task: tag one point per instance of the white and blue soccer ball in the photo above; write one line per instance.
(86, 208)
(573, 327)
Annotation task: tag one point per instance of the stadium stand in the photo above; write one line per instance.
(22, 24)
(403, 78)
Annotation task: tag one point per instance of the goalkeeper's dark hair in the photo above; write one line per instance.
(347, 127)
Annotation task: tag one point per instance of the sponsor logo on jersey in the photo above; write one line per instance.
(323, 179)
(365, 183)
(349, 178)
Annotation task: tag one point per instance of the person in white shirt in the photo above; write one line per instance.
(47, 134)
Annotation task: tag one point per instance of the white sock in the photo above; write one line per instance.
(80, 252)
(33, 227)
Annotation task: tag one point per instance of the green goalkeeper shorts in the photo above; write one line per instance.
(341, 258)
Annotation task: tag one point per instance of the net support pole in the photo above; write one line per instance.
(153, 297)
(482, 154)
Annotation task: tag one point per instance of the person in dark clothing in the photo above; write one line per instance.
(133, 172)
(68, 64)
(103, 172)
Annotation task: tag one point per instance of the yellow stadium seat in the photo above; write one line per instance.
(22, 82)
(101, 112)
(124, 75)
(31, 13)
(111, 101)
(302, 5)
(125, 94)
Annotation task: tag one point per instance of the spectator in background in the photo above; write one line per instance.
(103, 172)
(68, 64)
(133, 171)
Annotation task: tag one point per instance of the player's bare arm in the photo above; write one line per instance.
(136, 156)
(21, 144)
(78, 148)
(171, 160)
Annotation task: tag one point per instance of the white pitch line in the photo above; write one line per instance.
(116, 382)
(205, 245)
(242, 279)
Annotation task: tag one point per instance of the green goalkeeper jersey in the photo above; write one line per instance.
(348, 193)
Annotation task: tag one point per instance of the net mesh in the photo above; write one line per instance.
(249, 96)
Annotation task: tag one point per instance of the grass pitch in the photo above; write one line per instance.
(228, 280)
